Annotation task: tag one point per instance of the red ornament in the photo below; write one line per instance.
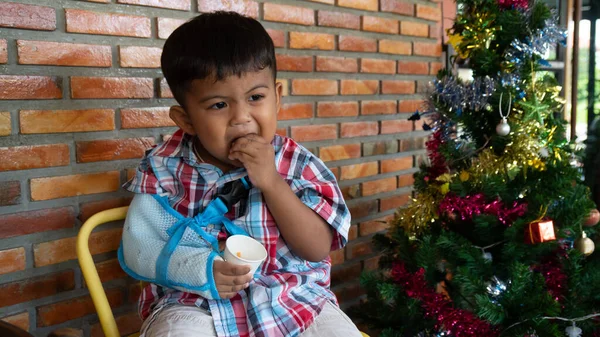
(539, 231)
(516, 4)
(592, 219)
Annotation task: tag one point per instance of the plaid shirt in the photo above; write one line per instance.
(291, 291)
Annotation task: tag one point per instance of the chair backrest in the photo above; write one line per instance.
(88, 268)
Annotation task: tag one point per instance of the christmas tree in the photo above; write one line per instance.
(498, 239)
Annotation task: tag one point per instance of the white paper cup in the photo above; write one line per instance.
(251, 252)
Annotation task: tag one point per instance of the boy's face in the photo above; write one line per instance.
(220, 112)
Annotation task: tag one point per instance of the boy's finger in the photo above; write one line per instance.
(231, 269)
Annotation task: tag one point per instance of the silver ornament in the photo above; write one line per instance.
(573, 331)
(503, 128)
(487, 256)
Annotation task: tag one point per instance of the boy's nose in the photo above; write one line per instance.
(240, 115)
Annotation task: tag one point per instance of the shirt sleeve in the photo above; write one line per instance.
(318, 189)
(144, 180)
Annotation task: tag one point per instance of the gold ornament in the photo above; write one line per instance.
(585, 245)
(464, 176)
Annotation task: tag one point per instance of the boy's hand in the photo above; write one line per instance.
(230, 278)
(258, 157)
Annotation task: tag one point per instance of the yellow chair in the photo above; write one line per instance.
(90, 274)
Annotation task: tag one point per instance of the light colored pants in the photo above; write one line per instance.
(190, 321)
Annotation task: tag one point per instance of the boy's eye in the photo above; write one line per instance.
(256, 97)
(218, 106)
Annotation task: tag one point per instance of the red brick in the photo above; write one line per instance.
(414, 28)
(397, 87)
(301, 40)
(55, 121)
(429, 12)
(314, 87)
(349, 192)
(139, 57)
(428, 49)
(398, 7)
(337, 64)
(11, 193)
(378, 107)
(339, 152)
(3, 51)
(30, 87)
(393, 202)
(337, 257)
(278, 37)
(395, 47)
(127, 324)
(33, 156)
(88, 209)
(413, 68)
(295, 111)
(12, 260)
(145, 118)
(358, 249)
(377, 66)
(294, 63)
(5, 123)
(355, 43)
(111, 87)
(88, 22)
(359, 170)
(172, 4)
(378, 186)
(74, 185)
(110, 270)
(363, 209)
(434, 67)
(164, 90)
(406, 180)
(338, 20)
(244, 7)
(377, 225)
(349, 292)
(43, 220)
(166, 26)
(52, 252)
(112, 149)
(372, 263)
(37, 287)
(412, 144)
(59, 312)
(359, 87)
(379, 25)
(409, 106)
(396, 126)
(19, 320)
(63, 54)
(345, 273)
(396, 164)
(369, 5)
(359, 129)
(337, 109)
(308, 133)
(14, 15)
(289, 14)
(134, 293)
(353, 232)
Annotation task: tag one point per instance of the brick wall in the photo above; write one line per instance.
(81, 97)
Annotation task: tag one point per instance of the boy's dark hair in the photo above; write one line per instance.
(218, 44)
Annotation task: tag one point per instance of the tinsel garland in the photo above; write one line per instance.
(455, 322)
(467, 207)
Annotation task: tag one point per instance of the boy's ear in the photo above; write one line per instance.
(278, 92)
(182, 119)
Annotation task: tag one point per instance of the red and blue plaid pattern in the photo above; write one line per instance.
(290, 292)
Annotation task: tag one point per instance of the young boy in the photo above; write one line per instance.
(221, 69)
